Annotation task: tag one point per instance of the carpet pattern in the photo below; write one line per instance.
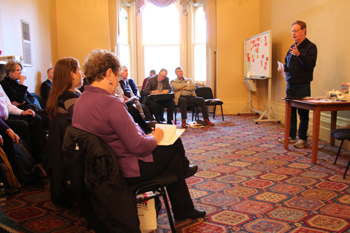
(247, 182)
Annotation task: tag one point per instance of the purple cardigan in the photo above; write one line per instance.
(98, 112)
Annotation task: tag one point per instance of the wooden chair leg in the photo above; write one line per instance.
(336, 158)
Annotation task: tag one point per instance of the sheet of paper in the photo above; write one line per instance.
(171, 134)
(281, 66)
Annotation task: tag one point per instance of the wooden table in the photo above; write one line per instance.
(316, 107)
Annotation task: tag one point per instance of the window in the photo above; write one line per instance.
(27, 50)
(161, 39)
(124, 44)
(200, 48)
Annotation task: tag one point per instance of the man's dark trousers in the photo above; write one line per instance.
(299, 91)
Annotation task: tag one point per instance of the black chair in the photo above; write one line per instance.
(207, 94)
(79, 148)
(341, 134)
(52, 161)
(157, 186)
(40, 100)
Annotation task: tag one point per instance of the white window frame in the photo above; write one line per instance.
(194, 44)
(183, 45)
(26, 44)
(127, 45)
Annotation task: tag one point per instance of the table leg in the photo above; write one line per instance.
(333, 126)
(315, 133)
(288, 113)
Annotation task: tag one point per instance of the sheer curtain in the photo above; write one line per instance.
(210, 16)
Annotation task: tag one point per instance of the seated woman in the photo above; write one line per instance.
(26, 124)
(59, 107)
(97, 111)
(62, 98)
(13, 85)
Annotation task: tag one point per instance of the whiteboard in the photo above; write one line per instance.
(257, 55)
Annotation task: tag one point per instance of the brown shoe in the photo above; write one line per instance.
(184, 125)
(208, 122)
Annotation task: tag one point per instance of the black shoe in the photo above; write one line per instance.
(193, 214)
(12, 191)
(191, 170)
(170, 122)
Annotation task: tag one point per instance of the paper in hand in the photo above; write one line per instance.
(281, 66)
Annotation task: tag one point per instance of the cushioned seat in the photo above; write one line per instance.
(341, 134)
(207, 94)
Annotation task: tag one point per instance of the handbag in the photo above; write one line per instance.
(147, 213)
(8, 172)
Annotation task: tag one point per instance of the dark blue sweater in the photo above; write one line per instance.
(300, 69)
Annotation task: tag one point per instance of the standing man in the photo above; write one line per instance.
(46, 86)
(184, 93)
(299, 67)
(159, 84)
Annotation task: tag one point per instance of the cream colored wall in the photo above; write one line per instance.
(82, 25)
(40, 15)
(327, 22)
(236, 21)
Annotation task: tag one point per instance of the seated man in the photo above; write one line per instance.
(133, 111)
(133, 87)
(13, 85)
(151, 74)
(128, 92)
(184, 93)
(46, 86)
(159, 84)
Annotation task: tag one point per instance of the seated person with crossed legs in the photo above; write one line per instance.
(13, 85)
(184, 93)
(133, 111)
(139, 156)
(129, 92)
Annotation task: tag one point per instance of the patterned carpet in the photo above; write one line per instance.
(246, 182)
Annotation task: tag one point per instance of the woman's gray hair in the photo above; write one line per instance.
(97, 62)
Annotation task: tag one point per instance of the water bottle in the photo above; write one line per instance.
(2, 194)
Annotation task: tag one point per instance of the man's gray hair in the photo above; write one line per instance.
(163, 70)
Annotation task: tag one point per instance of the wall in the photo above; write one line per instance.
(236, 21)
(82, 25)
(41, 16)
(327, 27)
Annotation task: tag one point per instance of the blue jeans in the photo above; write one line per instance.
(299, 90)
